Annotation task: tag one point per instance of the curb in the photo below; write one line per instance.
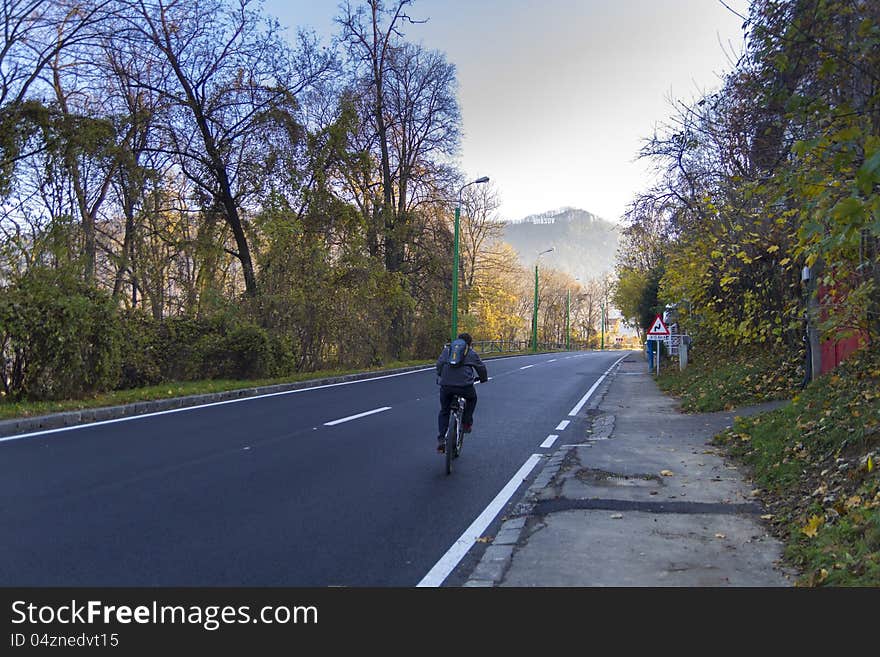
(65, 419)
(493, 565)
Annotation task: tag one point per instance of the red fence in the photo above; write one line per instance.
(835, 351)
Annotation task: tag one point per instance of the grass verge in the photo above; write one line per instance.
(716, 380)
(815, 463)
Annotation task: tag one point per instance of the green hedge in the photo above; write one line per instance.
(61, 338)
(186, 349)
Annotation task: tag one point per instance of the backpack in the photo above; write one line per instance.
(457, 351)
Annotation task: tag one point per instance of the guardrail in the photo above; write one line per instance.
(507, 346)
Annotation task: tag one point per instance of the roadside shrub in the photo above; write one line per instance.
(190, 349)
(60, 337)
(143, 352)
(248, 352)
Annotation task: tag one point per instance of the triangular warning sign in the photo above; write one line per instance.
(658, 327)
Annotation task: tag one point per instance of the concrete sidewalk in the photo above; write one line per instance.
(635, 496)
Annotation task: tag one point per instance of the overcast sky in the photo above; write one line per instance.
(557, 95)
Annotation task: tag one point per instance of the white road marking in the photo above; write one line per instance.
(550, 440)
(220, 403)
(552, 360)
(590, 392)
(526, 367)
(184, 409)
(460, 548)
(355, 417)
(562, 425)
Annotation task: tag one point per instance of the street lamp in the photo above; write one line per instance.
(535, 312)
(478, 181)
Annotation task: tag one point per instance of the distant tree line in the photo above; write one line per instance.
(184, 194)
(777, 171)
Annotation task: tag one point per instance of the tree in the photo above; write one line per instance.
(407, 96)
(227, 95)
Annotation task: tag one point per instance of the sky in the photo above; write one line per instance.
(558, 96)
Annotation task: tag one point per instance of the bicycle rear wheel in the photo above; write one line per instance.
(451, 432)
(459, 427)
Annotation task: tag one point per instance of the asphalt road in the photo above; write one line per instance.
(273, 491)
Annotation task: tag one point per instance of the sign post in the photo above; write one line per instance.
(658, 332)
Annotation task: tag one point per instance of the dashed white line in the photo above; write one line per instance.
(460, 548)
(550, 440)
(526, 367)
(552, 360)
(562, 425)
(355, 417)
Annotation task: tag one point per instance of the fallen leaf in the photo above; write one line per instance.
(667, 473)
(870, 464)
(812, 526)
(720, 536)
(484, 539)
(853, 502)
(767, 516)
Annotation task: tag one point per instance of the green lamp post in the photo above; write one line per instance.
(535, 311)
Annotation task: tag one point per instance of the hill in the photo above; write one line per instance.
(585, 245)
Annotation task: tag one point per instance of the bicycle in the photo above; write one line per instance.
(455, 432)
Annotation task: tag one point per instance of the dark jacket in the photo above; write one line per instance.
(470, 370)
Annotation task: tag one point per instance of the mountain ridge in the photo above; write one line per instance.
(585, 245)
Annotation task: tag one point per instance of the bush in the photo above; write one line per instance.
(143, 353)
(187, 349)
(232, 350)
(61, 338)
(248, 352)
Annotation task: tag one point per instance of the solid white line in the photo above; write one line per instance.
(192, 408)
(355, 417)
(562, 425)
(456, 553)
(526, 367)
(550, 440)
(584, 399)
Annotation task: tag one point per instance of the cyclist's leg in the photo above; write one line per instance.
(446, 397)
(470, 396)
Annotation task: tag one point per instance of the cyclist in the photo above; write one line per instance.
(458, 380)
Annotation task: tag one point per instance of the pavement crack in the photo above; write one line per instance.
(544, 507)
